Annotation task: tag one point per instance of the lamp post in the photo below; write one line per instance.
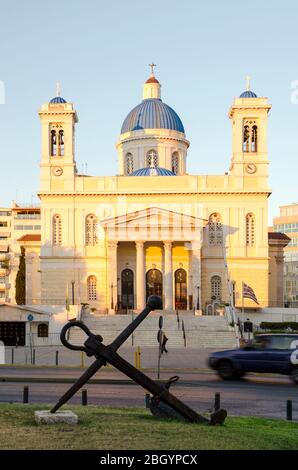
(198, 299)
(72, 292)
(112, 296)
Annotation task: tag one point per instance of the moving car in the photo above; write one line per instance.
(273, 353)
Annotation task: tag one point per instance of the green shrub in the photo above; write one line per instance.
(21, 280)
(281, 326)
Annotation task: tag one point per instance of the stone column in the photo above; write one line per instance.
(140, 274)
(112, 246)
(196, 274)
(168, 276)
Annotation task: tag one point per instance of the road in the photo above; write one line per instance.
(256, 395)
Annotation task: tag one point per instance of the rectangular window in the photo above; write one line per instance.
(3, 223)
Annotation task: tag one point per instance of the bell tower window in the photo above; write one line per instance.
(57, 141)
(61, 143)
(250, 136)
(152, 159)
(53, 143)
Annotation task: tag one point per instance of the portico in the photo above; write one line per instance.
(154, 251)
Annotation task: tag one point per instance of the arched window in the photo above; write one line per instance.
(91, 230)
(215, 230)
(61, 143)
(254, 138)
(53, 143)
(250, 230)
(216, 288)
(153, 283)
(250, 136)
(175, 163)
(57, 230)
(91, 288)
(152, 159)
(43, 330)
(128, 163)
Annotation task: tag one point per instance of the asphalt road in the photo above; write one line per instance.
(256, 395)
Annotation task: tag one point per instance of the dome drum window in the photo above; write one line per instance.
(152, 159)
(175, 163)
(128, 164)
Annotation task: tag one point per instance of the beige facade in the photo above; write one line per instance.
(116, 239)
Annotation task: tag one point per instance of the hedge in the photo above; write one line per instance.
(274, 325)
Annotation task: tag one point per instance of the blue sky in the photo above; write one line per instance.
(99, 51)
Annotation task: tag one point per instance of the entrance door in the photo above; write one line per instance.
(127, 291)
(153, 283)
(12, 333)
(180, 289)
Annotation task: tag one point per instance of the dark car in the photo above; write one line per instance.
(268, 353)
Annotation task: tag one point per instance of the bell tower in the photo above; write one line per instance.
(249, 116)
(58, 166)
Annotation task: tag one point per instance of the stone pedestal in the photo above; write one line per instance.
(46, 417)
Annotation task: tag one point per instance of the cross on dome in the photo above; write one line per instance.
(152, 65)
(58, 89)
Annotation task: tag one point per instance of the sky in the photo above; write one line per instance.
(100, 50)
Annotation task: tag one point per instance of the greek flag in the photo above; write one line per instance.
(248, 292)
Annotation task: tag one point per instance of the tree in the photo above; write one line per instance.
(21, 280)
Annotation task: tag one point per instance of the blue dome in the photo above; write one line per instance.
(153, 171)
(248, 94)
(58, 99)
(152, 114)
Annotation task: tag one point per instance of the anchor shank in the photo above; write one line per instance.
(154, 388)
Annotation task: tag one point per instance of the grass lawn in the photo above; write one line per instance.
(135, 428)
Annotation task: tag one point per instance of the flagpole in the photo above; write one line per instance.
(242, 310)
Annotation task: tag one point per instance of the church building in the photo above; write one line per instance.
(111, 241)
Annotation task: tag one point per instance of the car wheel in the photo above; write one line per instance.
(294, 375)
(226, 370)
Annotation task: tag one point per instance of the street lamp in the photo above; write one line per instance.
(72, 292)
(198, 299)
(112, 296)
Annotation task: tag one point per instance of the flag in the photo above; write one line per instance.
(248, 292)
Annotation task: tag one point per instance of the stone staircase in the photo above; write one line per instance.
(201, 331)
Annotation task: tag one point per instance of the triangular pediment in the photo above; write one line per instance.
(155, 222)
